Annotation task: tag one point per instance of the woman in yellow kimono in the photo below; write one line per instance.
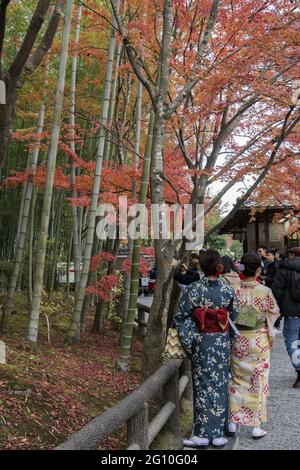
(250, 361)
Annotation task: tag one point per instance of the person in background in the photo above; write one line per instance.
(187, 275)
(203, 329)
(286, 289)
(279, 257)
(282, 257)
(262, 253)
(152, 278)
(291, 253)
(230, 272)
(271, 268)
(250, 360)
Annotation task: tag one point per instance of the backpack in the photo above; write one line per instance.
(295, 286)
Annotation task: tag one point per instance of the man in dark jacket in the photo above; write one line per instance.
(272, 268)
(187, 275)
(262, 253)
(286, 289)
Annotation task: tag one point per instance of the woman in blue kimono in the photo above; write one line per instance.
(203, 328)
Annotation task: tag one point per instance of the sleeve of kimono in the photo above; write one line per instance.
(184, 322)
(272, 314)
(233, 307)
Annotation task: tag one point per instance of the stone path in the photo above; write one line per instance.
(283, 424)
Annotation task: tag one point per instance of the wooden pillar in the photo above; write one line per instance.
(256, 233)
(267, 230)
(245, 244)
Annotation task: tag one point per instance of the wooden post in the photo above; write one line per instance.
(137, 429)
(267, 229)
(256, 233)
(171, 393)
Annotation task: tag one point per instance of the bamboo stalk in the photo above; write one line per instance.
(74, 330)
(28, 198)
(75, 223)
(42, 242)
(133, 192)
(122, 362)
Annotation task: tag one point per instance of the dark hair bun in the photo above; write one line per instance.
(210, 262)
(252, 263)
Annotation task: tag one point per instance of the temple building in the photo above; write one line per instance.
(275, 227)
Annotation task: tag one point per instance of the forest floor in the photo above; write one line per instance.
(52, 390)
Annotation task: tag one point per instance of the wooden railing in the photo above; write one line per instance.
(172, 379)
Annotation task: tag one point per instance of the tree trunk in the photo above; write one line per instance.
(33, 158)
(6, 118)
(108, 140)
(23, 58)
(76, 245)
(154, 341)
(56, 240)
(42, 242)
(98, 325)
(91, 277)
(30, 245)
(174, 300)
(121, 129)
(126, 335)
(74, 330)
(133, 192)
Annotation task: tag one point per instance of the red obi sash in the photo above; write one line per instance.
(211, 320)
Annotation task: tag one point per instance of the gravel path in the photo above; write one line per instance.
(283, 424)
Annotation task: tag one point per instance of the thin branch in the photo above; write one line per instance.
(110, 23)
(210, 26)
(184, 150)
(134, 61)
(227, 129)
(191, 83)
(230, 164)
(219, 196)
(172, 186)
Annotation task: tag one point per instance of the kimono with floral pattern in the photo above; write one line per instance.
(250, 360)
(209, 354)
